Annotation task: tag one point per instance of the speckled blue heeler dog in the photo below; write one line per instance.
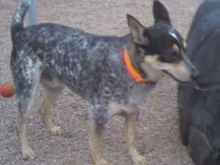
(114, 74)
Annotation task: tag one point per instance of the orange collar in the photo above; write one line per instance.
(132, 71)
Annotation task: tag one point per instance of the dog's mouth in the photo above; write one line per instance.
(174, 78)
(192, 83)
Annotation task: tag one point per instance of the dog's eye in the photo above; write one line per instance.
(170, 56)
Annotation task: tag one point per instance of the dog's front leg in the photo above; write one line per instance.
(131, 121)
(96, 143)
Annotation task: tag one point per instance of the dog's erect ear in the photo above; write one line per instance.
(138, 31)
(160, 12)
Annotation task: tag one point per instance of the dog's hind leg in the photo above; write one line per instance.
(52, 90)
(27, 152)
(131, 121)
(26, 76)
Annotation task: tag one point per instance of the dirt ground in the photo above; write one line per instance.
(158, 136)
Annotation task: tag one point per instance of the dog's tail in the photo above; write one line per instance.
(18, 19)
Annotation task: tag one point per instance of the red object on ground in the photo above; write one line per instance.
(7, 90)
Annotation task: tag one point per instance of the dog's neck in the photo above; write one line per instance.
(130, 51)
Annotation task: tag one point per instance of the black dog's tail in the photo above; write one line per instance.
(18, 19)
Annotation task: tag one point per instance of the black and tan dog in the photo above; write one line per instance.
(112, 73)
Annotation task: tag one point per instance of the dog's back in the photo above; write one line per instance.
(77, 58)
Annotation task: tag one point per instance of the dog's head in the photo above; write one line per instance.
(160, 48)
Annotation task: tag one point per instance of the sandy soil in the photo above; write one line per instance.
(158, 136)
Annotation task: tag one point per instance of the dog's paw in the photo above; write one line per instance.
(102, 162)
(139, 160)
(28, 153)
(56, 131)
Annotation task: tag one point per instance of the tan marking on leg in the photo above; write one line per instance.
(47, 115)
(96, 144)
(47, 110)
(131, 121)
(27, 152)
